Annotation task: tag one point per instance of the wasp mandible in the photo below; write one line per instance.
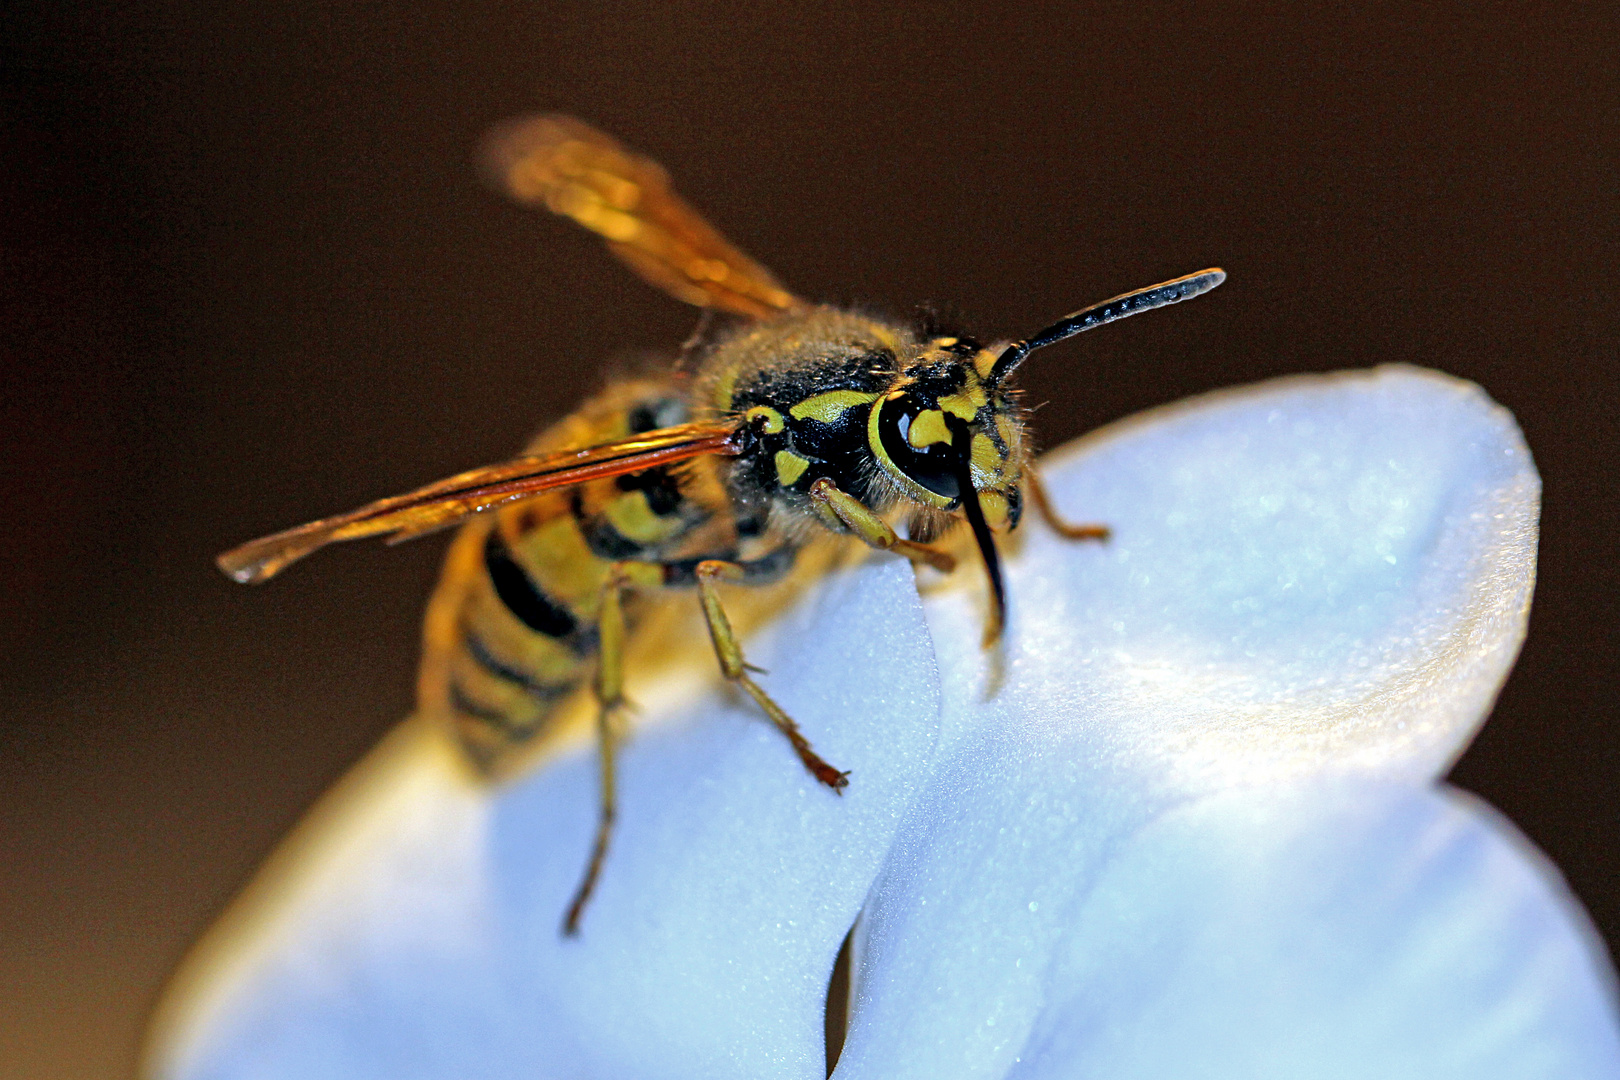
(793, 418)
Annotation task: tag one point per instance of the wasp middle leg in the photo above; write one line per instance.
(609, 687)
(609, 683)
(728, 651)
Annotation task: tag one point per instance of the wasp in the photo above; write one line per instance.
(790, 420)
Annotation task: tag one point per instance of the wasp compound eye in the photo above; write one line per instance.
(914, 436)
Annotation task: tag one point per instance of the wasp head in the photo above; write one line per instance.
(952, 440)
(948, 438)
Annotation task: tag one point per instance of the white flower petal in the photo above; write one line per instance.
(1307, 577)
(1349, 929)
(1312, 577)
(1328, 572)
(419, 937)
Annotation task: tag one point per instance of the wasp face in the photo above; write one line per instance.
(946, 436)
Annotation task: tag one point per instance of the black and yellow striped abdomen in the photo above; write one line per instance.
(513, 626)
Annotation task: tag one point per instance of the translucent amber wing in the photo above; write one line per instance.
(453, 498)
(574, 170)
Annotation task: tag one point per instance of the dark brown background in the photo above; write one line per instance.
(248, 277)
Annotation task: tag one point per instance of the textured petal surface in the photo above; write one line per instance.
(1347, 930)
(1312, 578)
(418, 936)
(1328, 572)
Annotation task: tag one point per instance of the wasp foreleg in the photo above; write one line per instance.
(855, 516)
(732, 665)
(1049, 514)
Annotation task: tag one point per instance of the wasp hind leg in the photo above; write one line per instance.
(732, 665)
(609, 687)
(1049, 514)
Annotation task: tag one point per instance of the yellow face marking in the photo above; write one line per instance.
(789, 467)
(829, 407)
(1004, 428)
(986, 458)
(773, 419)
(965, 403)
(927, 429)
(985, 362)
(994, 505)
(944, 342)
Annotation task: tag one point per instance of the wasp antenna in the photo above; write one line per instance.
(1131, 303)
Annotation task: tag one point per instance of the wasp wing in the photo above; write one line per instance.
(574, 170)
(449, 500)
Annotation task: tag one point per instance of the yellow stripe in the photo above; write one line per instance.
(635, 520)
(789, 467)
(544, 659)
(1004, 428)
(493, 692)
(994, 506)
(829, 407)
(724, 389)
(562, 565)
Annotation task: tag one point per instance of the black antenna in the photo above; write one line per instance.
(1131, 303)
(962, 443)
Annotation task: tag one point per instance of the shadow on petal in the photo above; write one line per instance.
(411, 929)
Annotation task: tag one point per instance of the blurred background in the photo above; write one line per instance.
(248, 277)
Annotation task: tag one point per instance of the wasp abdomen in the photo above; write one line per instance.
(517, 591)
(514, 626)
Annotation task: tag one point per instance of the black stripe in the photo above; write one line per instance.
(480, 655)
(604, 540)
(661, 490)
(520, 595)
(607, 542)
(477, 710)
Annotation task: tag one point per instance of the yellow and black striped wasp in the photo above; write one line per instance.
(793, 419)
